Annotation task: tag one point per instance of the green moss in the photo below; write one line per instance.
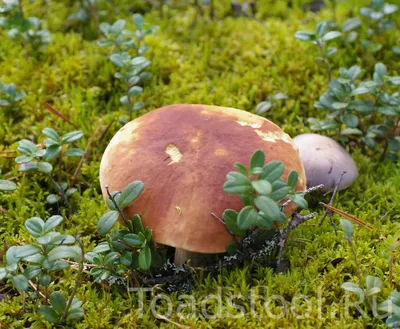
(233, 62)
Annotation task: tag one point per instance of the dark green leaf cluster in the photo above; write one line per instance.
(377, 15)
(19, 27)
(54, 313)
(56, 146)
(128, 56)
(392, 306)
(41, 258)
(367, 109)
(39, 261)
(10, 96)
(261, 188)
(320, 37)
(126, 251)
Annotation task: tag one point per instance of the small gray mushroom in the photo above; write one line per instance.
(324, 161)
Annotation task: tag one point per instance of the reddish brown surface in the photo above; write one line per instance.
(178, 199)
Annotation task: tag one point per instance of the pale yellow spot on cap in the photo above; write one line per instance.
(254, 125)
(273, 136)
(196, 139)
(179, 210)
(173, 153)
(220, 152)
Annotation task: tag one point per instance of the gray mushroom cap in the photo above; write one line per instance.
(324, 161)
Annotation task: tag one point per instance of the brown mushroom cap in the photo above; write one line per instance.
(182, 153)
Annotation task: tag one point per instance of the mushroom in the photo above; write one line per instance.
(325, 161)
(182, 153)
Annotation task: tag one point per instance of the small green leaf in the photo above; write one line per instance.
(72, 136)
(6, 185)
(27, 250)
(57, 301)
(257, 159)
(380, 69)
(138, 21)
(247, 218)
(272, 171)
(48, 314)
(60, 252)
(75, 314)
(347, 228)
(118, 26)
(237, 183)
(145, 258)
(304, 36)
(233, 247)
(269, 207)
(351, 287)
(74, 152)
(137, 224)
(35, 226)
(20, 282)
(299, 200)
(44, 167)
(262, 186)
(263, 107)
(51, 133)
(130, 193)
(133, 240)
(135, 90)
(241, 168)
(32, 272)
(29, 166)
(293, 178)
(52, 222)
(107, 221)
(230, 219)
(331, 35)
(44, 280)
(350, 120)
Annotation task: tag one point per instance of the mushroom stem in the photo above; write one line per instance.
(182, 256)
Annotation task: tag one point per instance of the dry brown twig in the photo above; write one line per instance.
(32, 284)
(162, 317)
(60, 115)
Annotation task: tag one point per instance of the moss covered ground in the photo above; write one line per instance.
(230, 61)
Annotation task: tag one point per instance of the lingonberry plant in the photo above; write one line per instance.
(378, 20)
(128, 252)
(261, 189)
(10, 96)
(7, 185)
(28, 29)
(128, 55)
(320, 38)
(369, 109)
(34, 158)
(34, 266)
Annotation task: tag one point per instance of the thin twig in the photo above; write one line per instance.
(328, 212)
(116, 206)
(162, 317)
(31, 283)
(60, 115)
(297, 220)
(306, 191)
(4, 211)
(223, 223)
